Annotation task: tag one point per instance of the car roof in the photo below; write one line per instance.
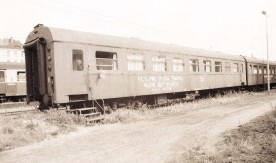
(65, 35)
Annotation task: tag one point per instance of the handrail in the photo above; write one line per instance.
(93, 100)
(100, 106)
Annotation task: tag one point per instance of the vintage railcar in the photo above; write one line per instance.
(257, 73)
(12, 82)
(67, 67)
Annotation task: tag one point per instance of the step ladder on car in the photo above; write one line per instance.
(90, 114)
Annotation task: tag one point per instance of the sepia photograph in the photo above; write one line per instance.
(148, 81)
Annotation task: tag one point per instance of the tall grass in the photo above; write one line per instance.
(19, 130)
(28, 128)
(63, 119)
(125, 115)
(24, 129)
(252, 142)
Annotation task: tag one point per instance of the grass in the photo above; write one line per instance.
(23, 129)
(29, 128)
(125, 115)
(252, 142)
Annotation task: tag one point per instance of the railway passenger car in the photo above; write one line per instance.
(68, 67)
(12, 82)
(257, 73)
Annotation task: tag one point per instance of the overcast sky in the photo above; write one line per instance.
(230, 26)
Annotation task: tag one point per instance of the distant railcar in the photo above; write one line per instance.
(257, 73)
(67, 67)
(12, 82)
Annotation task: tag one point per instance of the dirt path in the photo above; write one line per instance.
(175, 138)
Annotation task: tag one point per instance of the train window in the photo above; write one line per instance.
(255, 69)
(77, 60)
(272, 70)
(250, 69)
(207, 66)
(241, 68)
(235, 67)
(218, 66)
(260, 69)
(178, 65)
(194, 65)
(135, 62)
(227, 67)
(2, 76)
(265, 70)
(159, 64)
(106, 60)
(21, 76)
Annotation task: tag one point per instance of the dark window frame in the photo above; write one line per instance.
(77, 60)
(159, 64)
(178, 64)
(207, 66)
(194, 65)
(21, 77)
(2, 78)
(106, 60)
(135, 62)
(235, 67)
(218, 66)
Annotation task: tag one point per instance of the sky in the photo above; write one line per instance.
(236, 27)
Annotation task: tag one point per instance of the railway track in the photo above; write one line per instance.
(12, 104)
(14, 108)
(16, 112)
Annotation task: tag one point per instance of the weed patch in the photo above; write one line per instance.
(23, 129)
(251, 142)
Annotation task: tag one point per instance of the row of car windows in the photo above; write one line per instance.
(136, 62)
(10, 77)
(259, 69)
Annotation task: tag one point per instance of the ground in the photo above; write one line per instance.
(178, 137)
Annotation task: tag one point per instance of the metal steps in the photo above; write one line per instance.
(91, 114)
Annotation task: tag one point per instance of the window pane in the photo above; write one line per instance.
(227, 67)
(235, 67)
(21, 76)
(250, 69)
(2, 76)
(77, 60)
(241, 68)
(106, 60)
(159, 64)
(265, 70)
(260, 69)
(218, 66)
(207, 66)
(194, 65)
(178, 65)
(273, 70)
(135, 62)
(255, 69)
